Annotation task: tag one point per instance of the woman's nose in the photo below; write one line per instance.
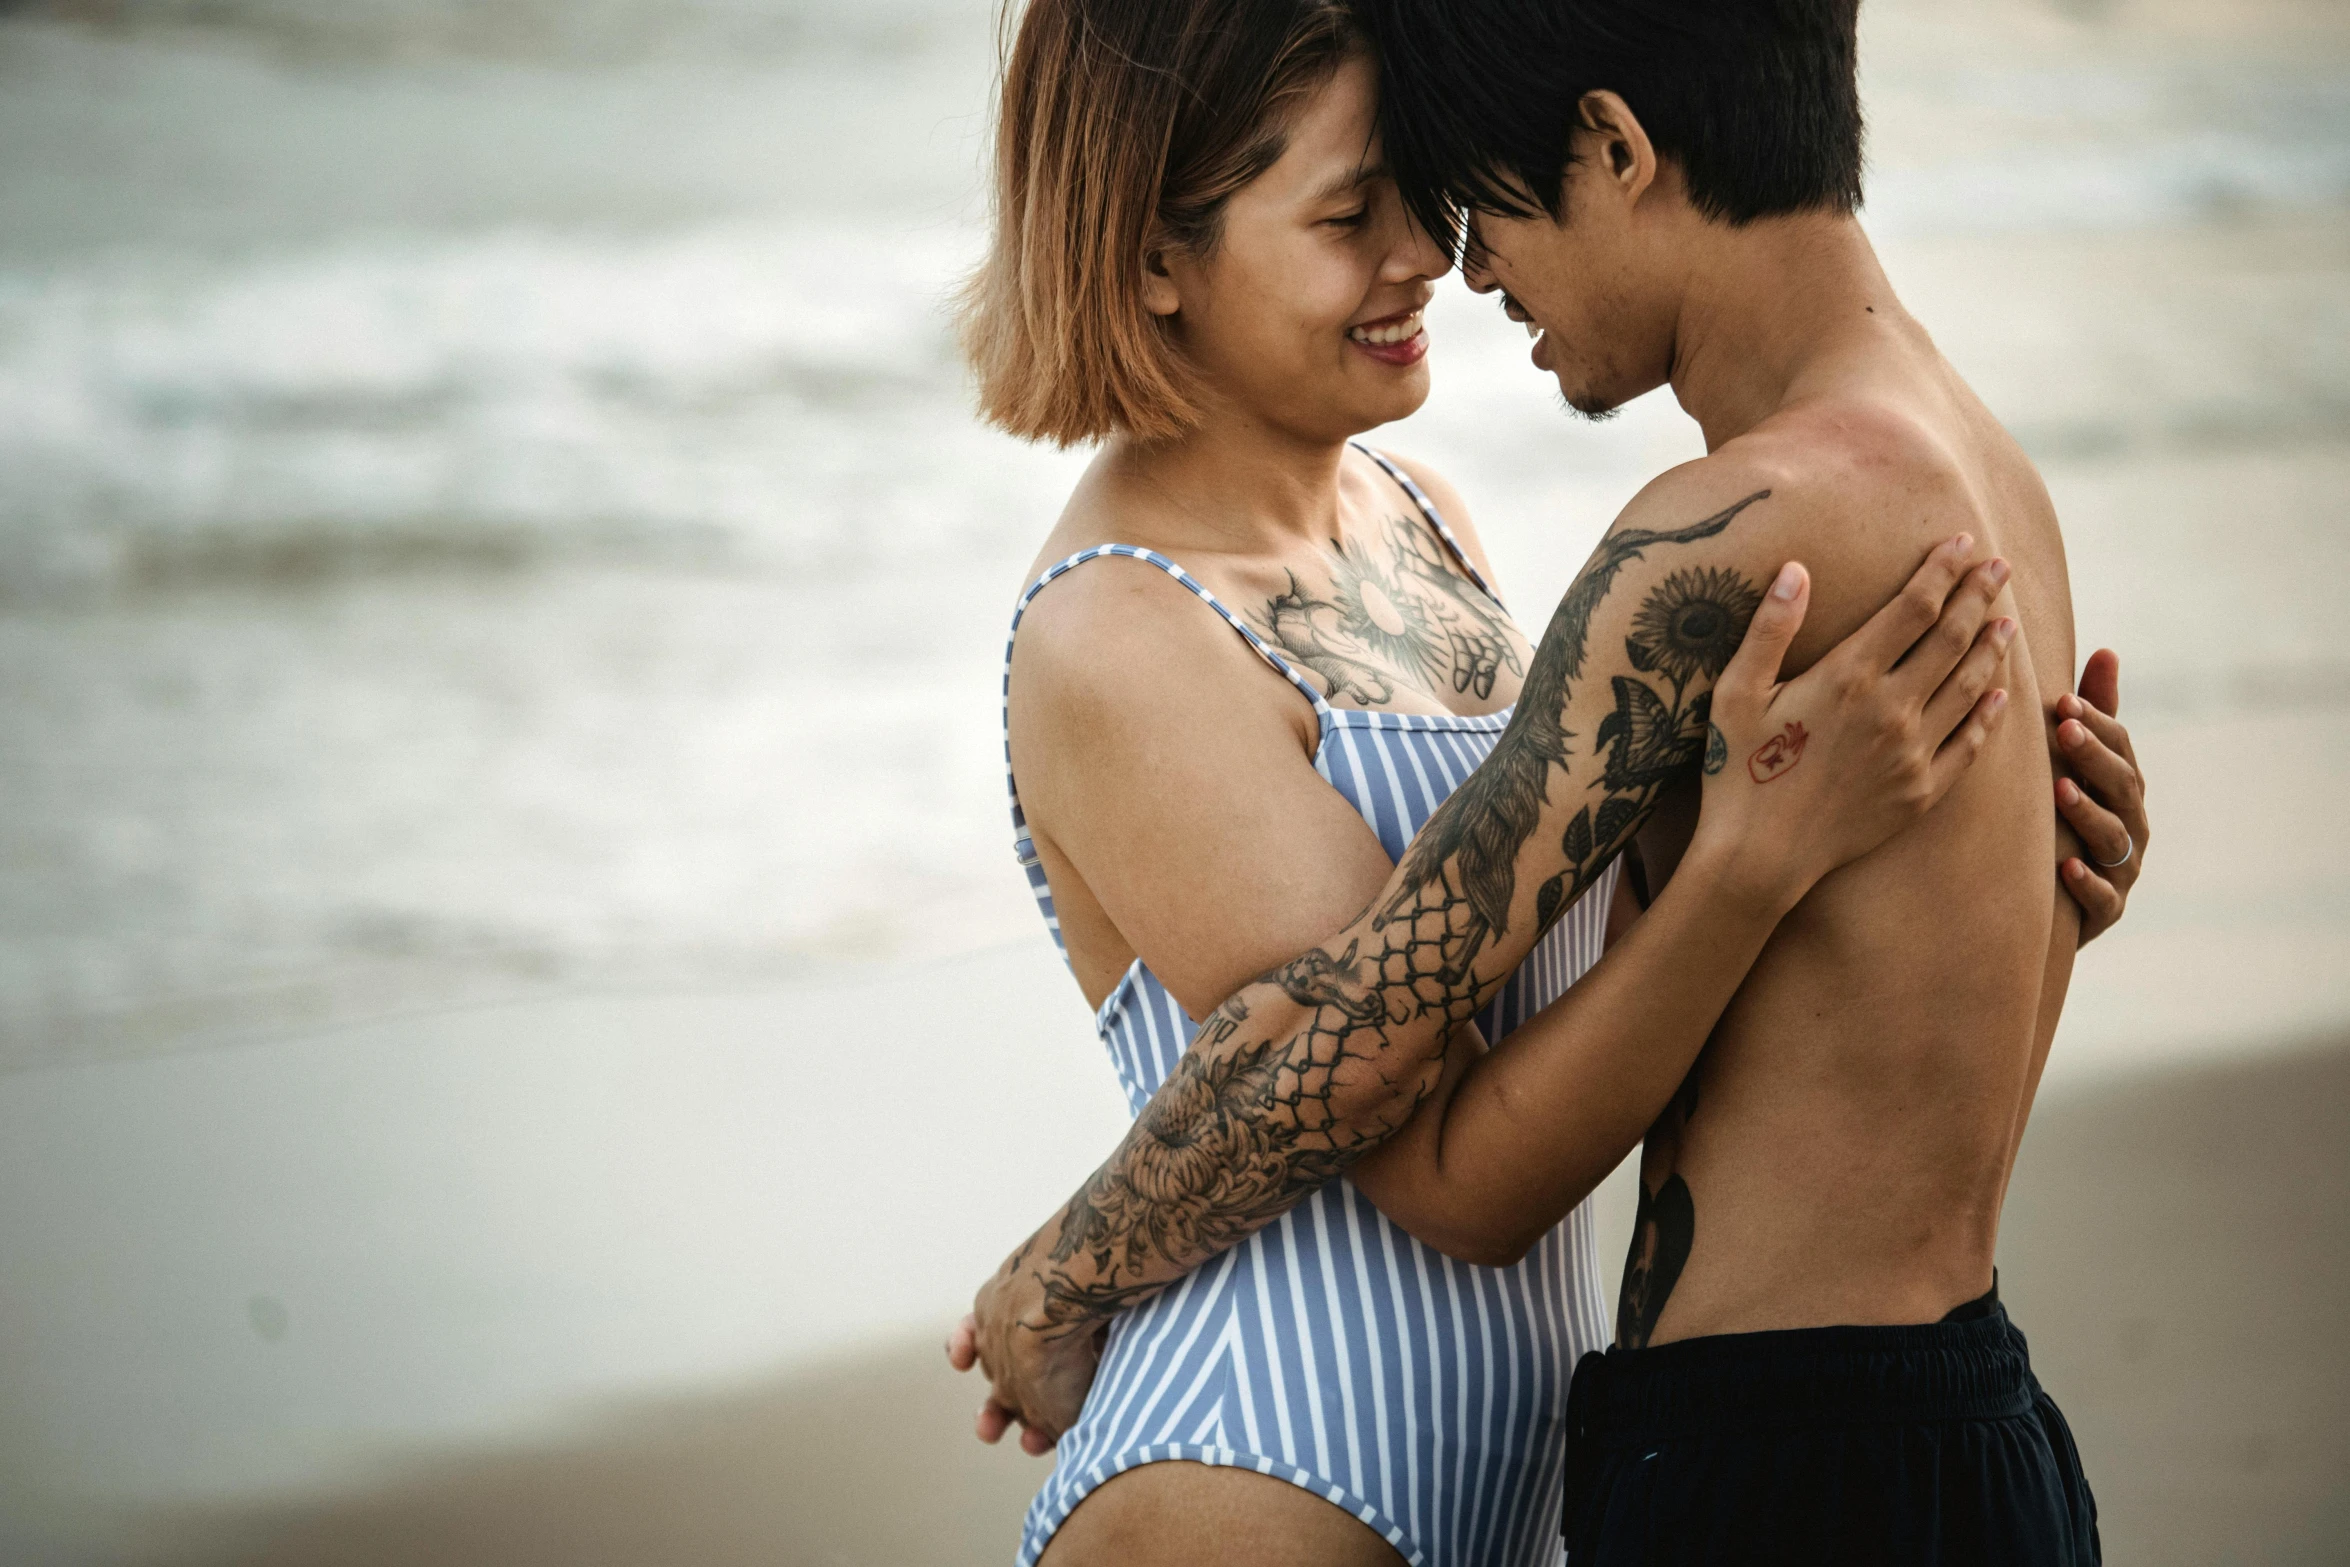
(1419, 256)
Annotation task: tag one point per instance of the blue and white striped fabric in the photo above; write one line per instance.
(1426, 1397)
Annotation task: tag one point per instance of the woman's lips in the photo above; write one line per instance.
(1397, 340)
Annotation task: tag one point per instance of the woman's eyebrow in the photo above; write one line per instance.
(1352, 180)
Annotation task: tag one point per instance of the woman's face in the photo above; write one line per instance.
(1307, 314)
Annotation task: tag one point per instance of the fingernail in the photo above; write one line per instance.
(1964, 544)
(2005, 633)
(2069, 705)
(1789, 584)
(2066, 792)
(2075, 869)
(2072, 734)
(1999, 572)
(1998, 700)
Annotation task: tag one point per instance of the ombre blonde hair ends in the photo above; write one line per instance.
(1123, 127)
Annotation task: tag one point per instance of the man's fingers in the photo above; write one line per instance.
(2101, 682)
(1034, 1442)
(2102, 833)
(2100, 904)
(1895, 629)
(1929, 662)
(1965, 685)
(1958, 753)
(963, 1344)
(1754, 669)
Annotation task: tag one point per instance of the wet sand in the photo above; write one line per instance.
(2177, 1247)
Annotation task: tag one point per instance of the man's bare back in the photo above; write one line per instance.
(1840, 1153)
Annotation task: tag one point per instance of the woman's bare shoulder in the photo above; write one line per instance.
(1118, 641)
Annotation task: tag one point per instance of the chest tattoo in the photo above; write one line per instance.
(1397, 616)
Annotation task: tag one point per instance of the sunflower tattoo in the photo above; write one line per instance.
(1691, 624)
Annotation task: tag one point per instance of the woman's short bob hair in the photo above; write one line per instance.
(1124, 126)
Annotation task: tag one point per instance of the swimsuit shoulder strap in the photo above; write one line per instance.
(1192, 584)
(1281, 666)
(1428, 510)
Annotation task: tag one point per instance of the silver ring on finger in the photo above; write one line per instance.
(2115, 865)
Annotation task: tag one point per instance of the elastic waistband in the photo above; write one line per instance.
(1971, 1370)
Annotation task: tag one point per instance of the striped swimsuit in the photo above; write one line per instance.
(1330, 1349)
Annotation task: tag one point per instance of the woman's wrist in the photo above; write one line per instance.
(1738, 872)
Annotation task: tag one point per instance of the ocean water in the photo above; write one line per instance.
(488, 503)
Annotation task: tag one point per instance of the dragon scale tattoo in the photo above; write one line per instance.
(1253, 1119)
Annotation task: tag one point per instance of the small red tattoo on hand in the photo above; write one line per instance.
(1778, 754)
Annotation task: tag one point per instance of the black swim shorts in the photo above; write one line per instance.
(1928, 1446)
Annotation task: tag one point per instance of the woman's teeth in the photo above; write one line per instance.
(1402, 331)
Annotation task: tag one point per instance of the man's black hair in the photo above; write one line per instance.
(1756, 101)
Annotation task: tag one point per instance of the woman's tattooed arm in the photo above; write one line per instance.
(1314, 1064)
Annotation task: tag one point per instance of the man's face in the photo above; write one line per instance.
(1587, 286)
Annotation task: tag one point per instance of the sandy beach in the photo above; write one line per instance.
(2176, 1247)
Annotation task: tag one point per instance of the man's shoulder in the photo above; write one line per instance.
(1823, 463)
(1845, 487)
(1859, 494)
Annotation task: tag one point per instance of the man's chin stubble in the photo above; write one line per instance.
(1591, 410)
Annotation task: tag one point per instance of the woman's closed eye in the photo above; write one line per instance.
(1352, 219)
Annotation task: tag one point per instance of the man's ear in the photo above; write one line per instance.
(1618, 145)
(1159, 295)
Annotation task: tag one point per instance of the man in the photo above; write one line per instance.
(1812, 1364)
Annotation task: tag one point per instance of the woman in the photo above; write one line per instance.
(1254, 659)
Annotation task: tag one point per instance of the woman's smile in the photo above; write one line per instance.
(1399, 339)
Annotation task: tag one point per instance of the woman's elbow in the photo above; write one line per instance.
(1476, 1246)
(1490, 1252)
(1370, 1108)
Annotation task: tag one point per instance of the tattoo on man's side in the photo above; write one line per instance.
(1662, 1234)
(1664, 1229)
(1717, 750)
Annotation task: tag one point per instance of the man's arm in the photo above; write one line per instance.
(1308, 1068)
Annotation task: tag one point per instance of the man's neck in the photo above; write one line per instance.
(1768, 309)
